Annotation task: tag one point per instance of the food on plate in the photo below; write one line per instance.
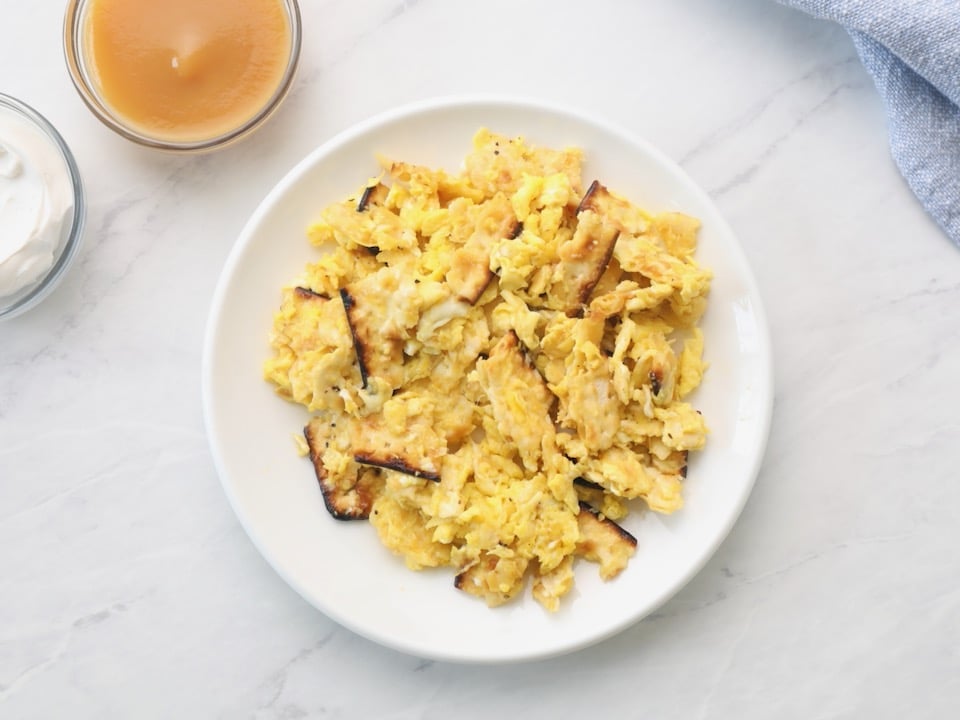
(497, 362)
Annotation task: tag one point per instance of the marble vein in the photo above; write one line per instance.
(28, 674)
(368, 31)
(764, 156)
(727, 665)
(278, 680)
(745, 120)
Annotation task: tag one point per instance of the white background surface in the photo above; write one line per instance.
(130, 590)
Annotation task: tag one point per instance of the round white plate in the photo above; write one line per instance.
(341, 567)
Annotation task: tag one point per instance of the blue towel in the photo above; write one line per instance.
(912, 50)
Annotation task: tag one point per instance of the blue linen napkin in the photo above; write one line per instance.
(912, 50)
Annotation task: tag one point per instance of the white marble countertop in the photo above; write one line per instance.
(131, 591)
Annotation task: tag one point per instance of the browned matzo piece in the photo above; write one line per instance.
(519, 397)
(377, 356)
(589, 403)
(415, 448)
(604, 542)
(311, 340)
(585, 256)
(361, 347)
(470, 271)
(349, 495)
(615, 210)
(308, 294)
(372, 195)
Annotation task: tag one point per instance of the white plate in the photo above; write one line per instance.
(340, 567)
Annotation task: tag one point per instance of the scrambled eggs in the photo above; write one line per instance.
(496, 362)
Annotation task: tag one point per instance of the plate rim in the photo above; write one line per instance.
(764, 384)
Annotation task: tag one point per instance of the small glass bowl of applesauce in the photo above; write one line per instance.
(182, 75)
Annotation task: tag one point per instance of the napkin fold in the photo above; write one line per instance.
(912, 50)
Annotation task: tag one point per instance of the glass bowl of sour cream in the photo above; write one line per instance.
(41, 207)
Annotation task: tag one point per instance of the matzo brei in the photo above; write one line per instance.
(496, 363)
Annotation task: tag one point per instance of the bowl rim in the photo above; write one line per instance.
(68, 251)
(73, 53)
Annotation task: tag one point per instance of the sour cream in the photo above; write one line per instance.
(36, 202)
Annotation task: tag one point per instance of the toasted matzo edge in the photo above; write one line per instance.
(470, 271)
(579, 278)
(604, 541)
(508, 359)
(510, 346)
(364, 344)
(589, 484)
(353, 503)
(359, 346)
(589, 199)
(510, 349)
(395, 462)
(308, 294)
(373, 444)
(372, 195)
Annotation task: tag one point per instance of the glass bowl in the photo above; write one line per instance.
(82, 74)
(72, 227)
